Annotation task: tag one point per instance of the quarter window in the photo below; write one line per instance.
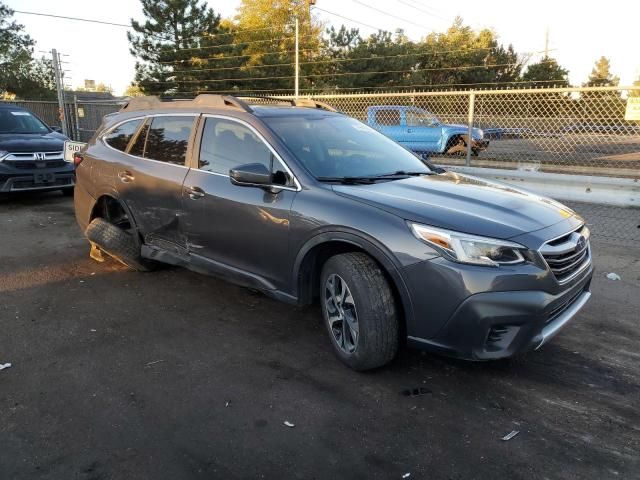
(137, 148)
(227, 144)
(168, 138)
(120, 136)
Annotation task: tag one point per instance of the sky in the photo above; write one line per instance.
(579, 31)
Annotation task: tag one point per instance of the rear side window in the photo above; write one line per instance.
(120, 136)
(388, 117)
(168, 138)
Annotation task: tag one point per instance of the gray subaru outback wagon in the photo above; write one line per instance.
(307, 204)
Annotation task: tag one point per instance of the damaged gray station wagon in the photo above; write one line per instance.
(309, 205)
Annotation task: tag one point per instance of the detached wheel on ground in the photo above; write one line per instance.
(117, 243)
(359, 311)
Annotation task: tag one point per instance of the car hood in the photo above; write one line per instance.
(460, 129)
(32, 142)
(462, 203)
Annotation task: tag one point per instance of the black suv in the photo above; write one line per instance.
(307, 204)
(31, 154)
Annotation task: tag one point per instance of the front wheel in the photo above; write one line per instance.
(359, 311)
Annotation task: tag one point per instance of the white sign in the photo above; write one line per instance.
(633, 109)
(70, 148)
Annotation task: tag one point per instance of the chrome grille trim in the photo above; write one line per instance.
(568, 255)
(28, 156)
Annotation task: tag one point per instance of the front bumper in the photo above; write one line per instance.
(20, 180)
(479, 144)
(499, 324)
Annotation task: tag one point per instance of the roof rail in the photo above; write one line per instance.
(202, 100)
(217, 101)
(310, 103)
(296, 102)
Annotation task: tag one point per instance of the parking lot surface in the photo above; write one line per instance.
(174, 375)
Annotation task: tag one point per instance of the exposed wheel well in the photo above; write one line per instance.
(112, 211)
(311, 267)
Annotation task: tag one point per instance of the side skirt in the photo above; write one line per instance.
(206, 266)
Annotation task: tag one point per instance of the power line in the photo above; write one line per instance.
(319, 92)
(349, 19)
(343, 60)
(420, 7)
(388, 14)
(431, 14)
(73, 18)
(235, 44)
(190, 60)
(416, 70)
(124, 25)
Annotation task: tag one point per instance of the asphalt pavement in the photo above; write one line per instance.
(175, 375)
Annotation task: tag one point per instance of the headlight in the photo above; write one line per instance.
(480, 134)
(464, 248)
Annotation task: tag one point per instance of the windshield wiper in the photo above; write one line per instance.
(348, 180)
(402, 173)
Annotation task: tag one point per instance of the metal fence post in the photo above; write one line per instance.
(77, 122)
(472, 104)
(60, 89)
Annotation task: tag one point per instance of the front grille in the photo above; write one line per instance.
(30, 165)
(30, 184)
(568, 255)
(556, 312)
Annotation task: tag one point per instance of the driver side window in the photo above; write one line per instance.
(227, 144)
(419, 119)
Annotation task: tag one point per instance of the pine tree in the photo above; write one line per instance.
(267, 35)
(181, 48)
(546, 73)
(601, 75)
(20, 73)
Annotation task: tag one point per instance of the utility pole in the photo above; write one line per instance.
(546, 43)
(57, 71)
(297, 85)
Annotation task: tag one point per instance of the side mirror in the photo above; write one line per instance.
(56, 129)
(250, 174)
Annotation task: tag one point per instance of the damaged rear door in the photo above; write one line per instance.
(150, 183)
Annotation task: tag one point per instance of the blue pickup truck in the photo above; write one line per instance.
(422, 132)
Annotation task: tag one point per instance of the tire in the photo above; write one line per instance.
(67, 192)
(117, 243)
(456, 146)
(374, 306)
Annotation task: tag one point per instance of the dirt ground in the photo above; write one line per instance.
(174, 375)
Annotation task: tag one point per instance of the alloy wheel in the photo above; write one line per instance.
(341, 313)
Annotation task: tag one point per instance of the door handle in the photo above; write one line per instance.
(125, 176)
(409, 130)
(195, 193)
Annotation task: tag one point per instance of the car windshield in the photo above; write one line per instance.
(20, 121)
(339, 147)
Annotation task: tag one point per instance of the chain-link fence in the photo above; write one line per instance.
(579, 131)
(562, 130)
